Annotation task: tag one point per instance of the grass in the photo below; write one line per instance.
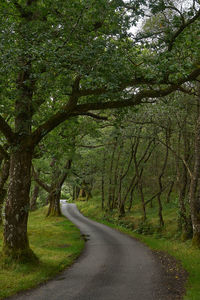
(55, 241)
(167, 240)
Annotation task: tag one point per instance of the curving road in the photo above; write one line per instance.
(113, 266)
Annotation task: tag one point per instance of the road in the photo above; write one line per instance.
(113, 266)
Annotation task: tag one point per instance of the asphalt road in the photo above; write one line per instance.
(113, 266)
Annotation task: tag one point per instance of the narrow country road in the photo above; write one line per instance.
(113, 266)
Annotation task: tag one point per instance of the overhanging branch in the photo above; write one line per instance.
(182, 28)
(72, 109)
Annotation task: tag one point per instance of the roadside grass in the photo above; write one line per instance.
(56, 242)
(167, 240)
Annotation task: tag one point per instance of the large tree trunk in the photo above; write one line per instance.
(16, 244)
(54, 203)
(55, 191)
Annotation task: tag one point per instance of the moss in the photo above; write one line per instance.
(184, 236)
(10, 256)
(196, 240)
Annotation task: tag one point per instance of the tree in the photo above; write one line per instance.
(63, 59)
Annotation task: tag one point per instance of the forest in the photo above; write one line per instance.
(100, 103)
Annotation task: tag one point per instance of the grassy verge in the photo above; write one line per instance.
(163, 241)
(56, 242)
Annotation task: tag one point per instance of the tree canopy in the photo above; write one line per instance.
(61, 59)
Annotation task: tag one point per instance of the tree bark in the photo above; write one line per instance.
(54, 190)
(116, 176)
(124, 174)
(110, 190)
(140, 185)
(170, 191)
(16, 244)
(131, 198)
(103, 181)
(160, 184)
(3, 179)
(33, 203)
(182, 180)
(54, 203)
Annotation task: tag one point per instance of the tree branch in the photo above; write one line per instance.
(156, 194)
(71, 109)
(4, 153)
(177, 156)
(93, 116)
(45, 186)
(181, 29)
(6, 130)
(64, 175)
(64, 114)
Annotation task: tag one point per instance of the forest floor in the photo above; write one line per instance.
(175, 255)
(56, 242)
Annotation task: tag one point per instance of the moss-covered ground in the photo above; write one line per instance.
(55, 241)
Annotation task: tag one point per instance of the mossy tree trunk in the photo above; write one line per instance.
(16, 244)
(3, 178)
(54, 190)
(54, 203)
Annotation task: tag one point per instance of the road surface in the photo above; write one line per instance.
(113, 266)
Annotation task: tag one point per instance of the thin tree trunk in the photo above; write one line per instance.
(140, 187)
(131, 198)
(122, 202)
(170, 191)
(161, 220)
(194, 184)
(33, 202)
(116, 175)
(129, 190)
(110, 178)
(103, 181)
